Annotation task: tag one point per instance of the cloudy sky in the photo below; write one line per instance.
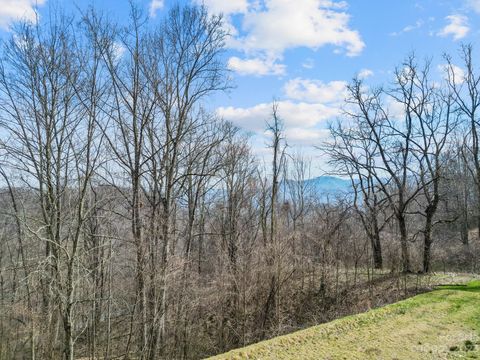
(303, 52)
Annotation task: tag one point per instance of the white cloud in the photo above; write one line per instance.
(474, 5)
(267, 28)
(457, 27)
(302, 136)
(454, 72)
(11, 10)
(309, 63)
(225, 7)
(284, 24)
(305, 123)
(118, 51)
(315, 90)
(418, 24)
(305, 112)
(155, 5)
(228, 8)
(255, 66)
(295, 115)
(365, 73)
(395, 109)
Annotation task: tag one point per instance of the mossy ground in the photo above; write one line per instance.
(441, 324)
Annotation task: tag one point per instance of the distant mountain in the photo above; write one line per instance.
(329, 184)
(327, 187)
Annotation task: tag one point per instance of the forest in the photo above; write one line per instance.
(137, 224)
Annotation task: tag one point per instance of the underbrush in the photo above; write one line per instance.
(440, 324)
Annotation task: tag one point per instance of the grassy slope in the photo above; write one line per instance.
(435, 325)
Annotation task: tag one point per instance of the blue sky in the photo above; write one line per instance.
(303, 52)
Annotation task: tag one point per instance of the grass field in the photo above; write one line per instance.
(441, 324)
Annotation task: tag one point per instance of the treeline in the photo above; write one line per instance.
(137, 225)
(410, 149)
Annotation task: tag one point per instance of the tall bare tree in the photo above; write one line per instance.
(464, 83)
(430, 109)
(49, 111)
(352, 154)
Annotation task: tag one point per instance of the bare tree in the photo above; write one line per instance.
(298, 200)
(275, 127)
(49, 113)
(352, 154)
(392, 144)
(430, 111)
(464, 85)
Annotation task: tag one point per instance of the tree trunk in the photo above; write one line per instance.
(426, 253)
(67, 326)
(427, 244)
(404, 244)
(377, 252)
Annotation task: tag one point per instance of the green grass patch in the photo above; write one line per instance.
(441, 324)
(473, 286)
